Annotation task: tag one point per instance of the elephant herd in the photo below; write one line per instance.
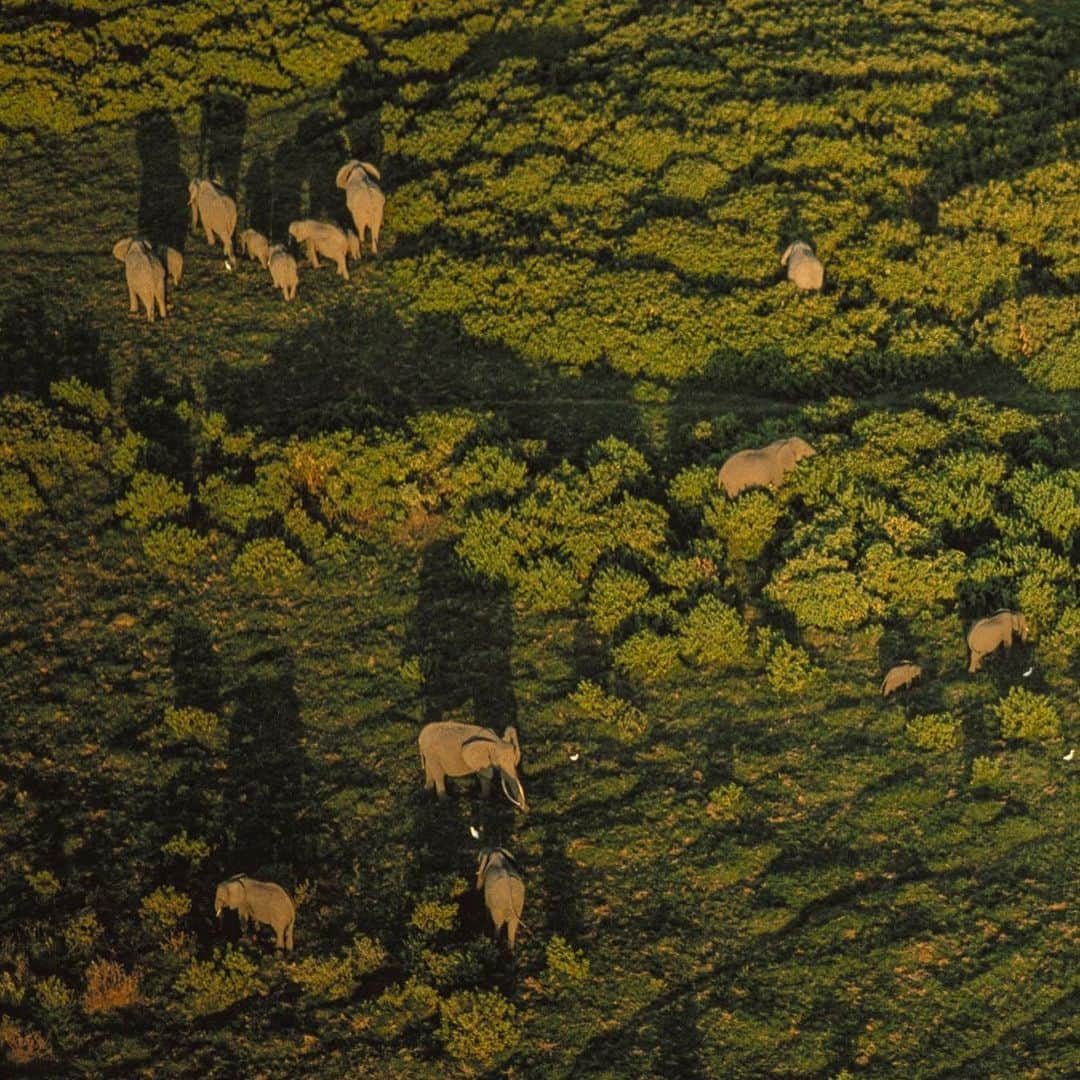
(766, 467)
(146, 265)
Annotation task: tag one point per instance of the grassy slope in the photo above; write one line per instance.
(868, 911)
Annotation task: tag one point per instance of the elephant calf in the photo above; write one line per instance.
(504, 891)
(255, 246)
(262, 901)
(763, 467)
(145, 275)
(803, 266)
(899, 677)
(282, 267)
(173, 262)
(988, 634)
(322, 238)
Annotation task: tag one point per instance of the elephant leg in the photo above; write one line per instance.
(209, 234)
(312, 254)
(511, 931)
(148, 303)
(160, 298)
(342, 269)
(279, 933)
(289, 936)
(375, 239)
(485, 786)
(133, 301)
(976, 661)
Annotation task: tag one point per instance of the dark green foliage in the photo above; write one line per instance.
(245, 553)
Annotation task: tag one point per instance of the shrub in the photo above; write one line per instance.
(617, 717)
(162, 909)
(478, 1027)
(727, 803)
(150, 498)
(43, 884)
(566, 966)
(647, 657)
(433, 916)
(938, 732)
(183, 847)
(1024, 715)
(52, 994)
(713, 635)
(12, 988)
(174, 550)
(615, 595)
(744, 525)
(189, 724)
(986, 774)
(398, 1008)
(81, 932)
(789, 670)
(212, 985)
(820, 591)
(335, 978)
(22, 1047)
(265, 563)
(109, 987)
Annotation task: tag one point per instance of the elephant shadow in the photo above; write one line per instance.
(221, 139)
(163, 194)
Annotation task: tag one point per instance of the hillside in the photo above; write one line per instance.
(247, 552)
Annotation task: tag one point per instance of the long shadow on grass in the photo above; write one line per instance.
(366, 366)
(163, 195)
(221, 138)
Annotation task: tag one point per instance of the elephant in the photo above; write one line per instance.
(803, 266)
(217, 211)
(364, 198)
(145, 275)
(262, 901)
(255, 246)
(504, 891)
(282, 267)
(173, 262)
(764, 467)
(448, 748)
(322, 238)
(899, 677)
(997, 629)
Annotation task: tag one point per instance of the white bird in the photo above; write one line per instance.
(474, 832)
(1029, 671)
(1070, 755)
(228, 266)
(574, 757)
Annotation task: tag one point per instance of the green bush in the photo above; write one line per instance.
(1024, 715)
(81, 933)
(161, 910)
(397, 1009)
(432, 917)
(986, 774)
(612, 714)
(819, 590)
(727, 803)
(52, 994)
(789, 670)
(478, 1028)
(150, 498)
(714, 636)
(181, 846)
(615, 595)
(266, 563)
(938, 732)
(335, 978)
(190, 724)
(567, 967)
(744, 525)
(175, 551)
(208, 986)
(647, 657)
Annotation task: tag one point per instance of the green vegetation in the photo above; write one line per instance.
(245, 553)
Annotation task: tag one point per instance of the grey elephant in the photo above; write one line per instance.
(449, 748)
(504, 891)
(764, 467)
(364, 198)
(322, 238)
(173, 262)
(263, 901)
(899, 677)
(255, 246)
(995, 630)
(282, 267)
(145, 275)
(803, 266)
(216, 209)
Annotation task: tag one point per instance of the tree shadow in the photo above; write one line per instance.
(265, 767)
(259, 195)
(150, 402)
(163, 195)
(221, 138)
(462, 632)
(197, 676)
(39, 345)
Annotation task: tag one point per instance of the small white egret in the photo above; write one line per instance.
(574, 757)
(1029, 671)
(1070, 755)
(474, 832)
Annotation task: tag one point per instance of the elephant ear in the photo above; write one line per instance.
(787, 255)
(476, 751)
(120, 248)
(370, 169)
(342, 179)
(510, 735)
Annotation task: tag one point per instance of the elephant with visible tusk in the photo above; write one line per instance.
(145, 275)
(803, 266)
(216, 209)
(364, 198)
(504, 891)
(899, 677)
(322, 238)
(995, 630)
(263, 901)
(764, 467)
(448, 748)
